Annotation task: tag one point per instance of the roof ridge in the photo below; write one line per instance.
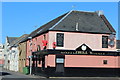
(85, 11)
(61, 20)
(19, 39)
(68, 14)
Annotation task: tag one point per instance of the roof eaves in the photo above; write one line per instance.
(81, 32)
(44, 27)
(107, 23)
(25, 39)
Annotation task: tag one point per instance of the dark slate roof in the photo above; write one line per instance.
(118, 44)
(10, 39)
(88, 22)
(108, 24)
(18, 40)
(45, 27)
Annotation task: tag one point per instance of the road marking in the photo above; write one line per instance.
(85, 77)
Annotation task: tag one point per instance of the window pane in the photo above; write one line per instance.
(104, 41)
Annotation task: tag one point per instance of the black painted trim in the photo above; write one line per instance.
(74, 52)
(82, 72)
(80, 32)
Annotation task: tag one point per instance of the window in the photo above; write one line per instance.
(38, 48)
(104, 41)
(44, 37)
(60, 39)
(104, 61)
(59, 60)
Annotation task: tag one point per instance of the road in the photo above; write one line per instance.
(9, 75)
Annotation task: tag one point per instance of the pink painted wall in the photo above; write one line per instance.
(1, 61)
(73, 40)
(39, 65)
(51, 60)
(85, 61)
(91, 61)
(119, 61)
(35, 42)
(46, 61)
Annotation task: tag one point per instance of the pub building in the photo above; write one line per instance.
(77, 43)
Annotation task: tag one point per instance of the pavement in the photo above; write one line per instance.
(6, 74)
(10, 75)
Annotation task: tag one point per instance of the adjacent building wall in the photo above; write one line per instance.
(22, 56)
(13, 57)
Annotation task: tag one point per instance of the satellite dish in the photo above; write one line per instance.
(111, 43)
(84, 47)
(111, 37)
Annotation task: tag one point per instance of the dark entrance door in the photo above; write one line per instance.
(60, 67)
(33, 63)
(60, 64)
(43, 63)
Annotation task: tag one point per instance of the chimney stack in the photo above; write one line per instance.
(100, 12)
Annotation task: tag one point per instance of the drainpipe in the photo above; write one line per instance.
(30, 55)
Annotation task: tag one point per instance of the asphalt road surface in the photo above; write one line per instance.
(9, 75)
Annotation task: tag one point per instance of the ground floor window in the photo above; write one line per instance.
(104, 61)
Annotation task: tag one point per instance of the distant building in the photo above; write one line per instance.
(1, 55)
(11, 52)
(14, 53)
(75, 43)
(7, 51)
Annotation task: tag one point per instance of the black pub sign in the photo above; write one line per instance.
(60, 39)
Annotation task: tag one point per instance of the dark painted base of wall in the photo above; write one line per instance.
(38, 71)
(79, 72)
(91, 72)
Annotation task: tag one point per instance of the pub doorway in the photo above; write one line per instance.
(43, 63)
(60, 65)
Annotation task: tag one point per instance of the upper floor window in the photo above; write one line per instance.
(104, 41)
(38, 48)
(60, 39)
(44, 37)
